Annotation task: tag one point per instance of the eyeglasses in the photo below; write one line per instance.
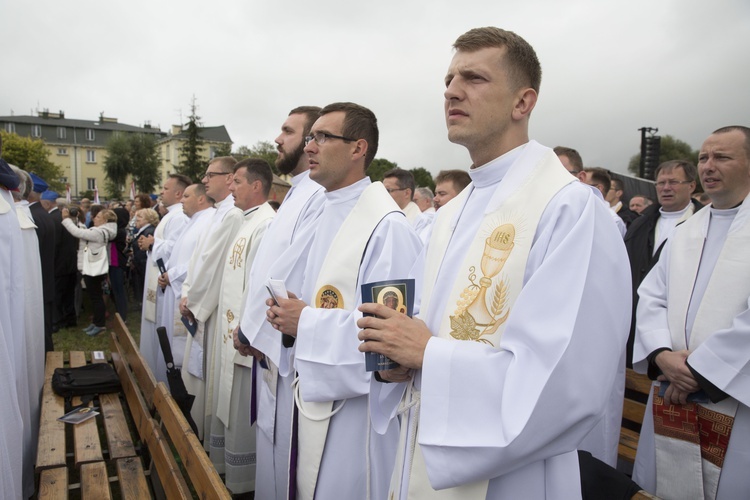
(211, 175)
(392, 190)
(322, 137)
(671, 183)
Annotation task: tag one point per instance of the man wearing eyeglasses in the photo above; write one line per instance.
(515, 354)
(359, 237)
(645, 238)
(693, 337)
(200, 290)
(400, 185)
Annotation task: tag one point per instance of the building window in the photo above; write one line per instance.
(62, 151)
(10, 128)
(61, 133)
(64, 180)
(167, 153)
(91, 183)
(90, 156)
(212, 152)
(90, 134)
(36, 130)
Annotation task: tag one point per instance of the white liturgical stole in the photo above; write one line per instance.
(700, 432)
(489, 280)
(336, 287)
(233, 286)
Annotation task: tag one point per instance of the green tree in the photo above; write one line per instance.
(378, 167)
(117, 166)
(423, 178)
(671, 149)
(31, 155)
(146, 162)
(135, 155)
(223, 150)
(192, 163)
(262, 149)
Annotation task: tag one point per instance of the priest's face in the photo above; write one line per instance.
(673, 189)
(724, 168)
(245, 192)
(331, 163)
(444, 192)
(190, 201)
(170, 193)
(479, 102)
(638, 204)
(401, 196)
(290, 144)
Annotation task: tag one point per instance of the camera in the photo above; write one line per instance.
(73, 211)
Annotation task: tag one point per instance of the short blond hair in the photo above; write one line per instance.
(149, 214)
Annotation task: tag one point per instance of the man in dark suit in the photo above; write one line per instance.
(66, 266)
(45, 231)
(675, 183)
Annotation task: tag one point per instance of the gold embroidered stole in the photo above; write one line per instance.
(233, 287)
(700, 433)
(336, 287)
(491, 276)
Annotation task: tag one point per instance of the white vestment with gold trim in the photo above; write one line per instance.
(232, 439)
(330, 367)
(526, 353)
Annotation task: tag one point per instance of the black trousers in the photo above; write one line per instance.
(65, 286)
(94, 289)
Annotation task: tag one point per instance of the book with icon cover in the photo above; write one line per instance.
(79, 415)
(399, 296)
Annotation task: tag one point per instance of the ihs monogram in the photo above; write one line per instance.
(235, 260)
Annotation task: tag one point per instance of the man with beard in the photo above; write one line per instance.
(273, 392)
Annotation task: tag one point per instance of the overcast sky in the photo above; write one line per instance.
(608, 67)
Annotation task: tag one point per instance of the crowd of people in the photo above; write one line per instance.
(537, 282)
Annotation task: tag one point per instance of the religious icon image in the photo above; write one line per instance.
(392, 297)
(394, 294)
(474, 318)
(329, 297)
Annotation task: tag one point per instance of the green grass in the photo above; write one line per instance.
(75, 339)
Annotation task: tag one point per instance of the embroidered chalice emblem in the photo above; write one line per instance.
(476, 320)
(235, 260)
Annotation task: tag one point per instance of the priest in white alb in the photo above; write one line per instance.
(12, 326)
(201, 288)
(161, 245)
(33, 340)
(514, 355)
(199, 209)
(279, 249)
(360, 237)
(693, 337)
(232, 440)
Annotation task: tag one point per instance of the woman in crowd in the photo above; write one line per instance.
(95, 260)
(146, 221)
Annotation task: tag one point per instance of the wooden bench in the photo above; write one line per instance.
(162, 426)
(76, 451)
(637, 388)
(140, 438)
